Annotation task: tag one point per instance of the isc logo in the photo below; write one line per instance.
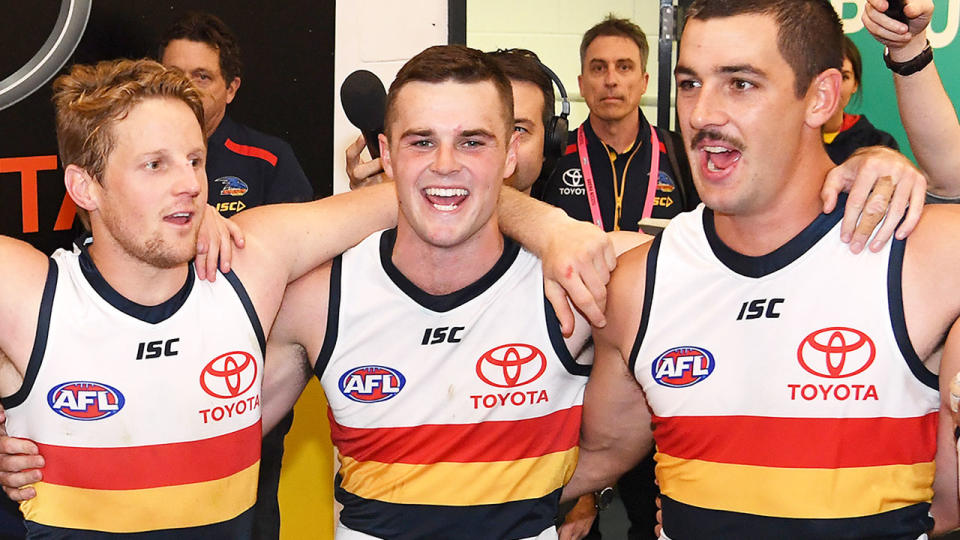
(370, 384)
(682, 366)
(85, 400)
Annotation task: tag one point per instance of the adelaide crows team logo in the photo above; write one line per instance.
(232, 186)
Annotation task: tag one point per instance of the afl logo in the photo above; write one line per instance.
(370, 384)
(512, 365)
(573, 178)
(229, 375)
(85, 400)
(680, 367)
(836, 352)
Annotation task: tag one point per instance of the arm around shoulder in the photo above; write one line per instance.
(292, 239)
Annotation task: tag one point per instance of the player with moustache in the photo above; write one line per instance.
(533, 111)
(147, 151)
(760, 431)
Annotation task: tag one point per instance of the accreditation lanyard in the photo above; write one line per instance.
(592, 187)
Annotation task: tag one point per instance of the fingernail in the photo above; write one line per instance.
(845, 237)
(857, 246)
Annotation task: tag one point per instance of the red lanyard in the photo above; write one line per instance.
(592, 187)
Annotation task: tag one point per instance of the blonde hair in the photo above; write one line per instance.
(91, 98)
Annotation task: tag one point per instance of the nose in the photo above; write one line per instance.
(445, 160)
(190, 180)
(610, 76)
(706, 108)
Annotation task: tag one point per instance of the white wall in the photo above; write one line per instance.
(553, 28)
(379, 36)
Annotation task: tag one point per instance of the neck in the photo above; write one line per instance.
(443, 270)
(619, 133)
(213, 125)
(796, 205)
(134, 279)
(835, 123)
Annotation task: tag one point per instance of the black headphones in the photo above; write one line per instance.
(555, 133)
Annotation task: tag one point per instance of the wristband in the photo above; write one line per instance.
(912, 65)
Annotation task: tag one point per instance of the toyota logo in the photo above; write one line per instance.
(573, 178)
(836, 352)
(229, 375)
(509, 366)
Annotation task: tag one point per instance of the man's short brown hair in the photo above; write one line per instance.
(524, 66)
(615, 26)
(91, 98)
(442, 63)
(209, 29)
(809, 33)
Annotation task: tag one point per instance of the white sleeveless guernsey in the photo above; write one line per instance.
(148, 417)
(455, 416)
(787, 399)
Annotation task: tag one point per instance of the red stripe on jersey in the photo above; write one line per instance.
(663, 148)
(252, 151)
(571, 149)
(140, 467)
(461, 443)
(799, 442)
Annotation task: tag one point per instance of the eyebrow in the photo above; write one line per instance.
(731, 69)
(417, 132)
(743, 68)
(477, 133)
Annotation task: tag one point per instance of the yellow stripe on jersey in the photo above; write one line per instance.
(135, 510)
(794, 493)
(459, 484)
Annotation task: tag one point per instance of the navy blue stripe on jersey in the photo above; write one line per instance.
(444, 302)
(516, 519)
(148, 314)
(757, 267)
(685, 522)
(238, 528)
(39, 340)
(333, 318)
(647, 300)
(232, 279)
(897, 319)
(559, 344)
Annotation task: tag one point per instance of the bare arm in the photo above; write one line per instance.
(577, 256)
(928, 115)
(292, 239)
(286, 373)
(300, 327)
(23, 274)
(615, 433)
(946, 499)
